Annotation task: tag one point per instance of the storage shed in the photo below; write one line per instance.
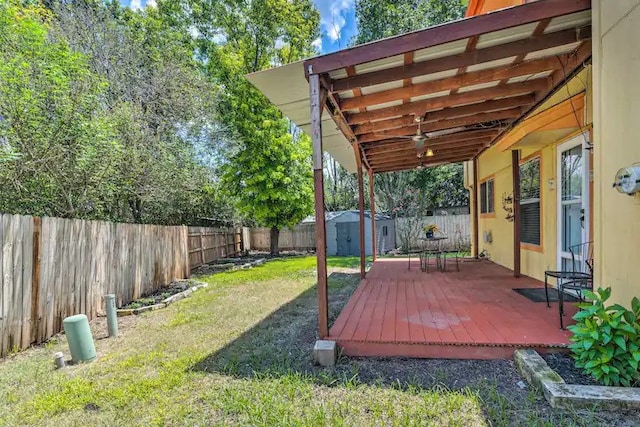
(343, 233)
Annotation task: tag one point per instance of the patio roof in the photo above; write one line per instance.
(468, 81)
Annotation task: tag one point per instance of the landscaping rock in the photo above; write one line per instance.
(149, 308)
(535, 370)
(590, 396)
(561, 395)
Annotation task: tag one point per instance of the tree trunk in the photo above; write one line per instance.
(136, 209)
(275, 237)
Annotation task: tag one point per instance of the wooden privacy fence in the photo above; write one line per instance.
(51, 268)
(209, 244)
(456, 227)
(301, 238)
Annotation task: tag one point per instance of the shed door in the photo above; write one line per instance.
(348, 238)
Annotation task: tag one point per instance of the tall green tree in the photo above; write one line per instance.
(58, 151)
(266, 168)
(159, 99)
(377, 19)
(104, 113)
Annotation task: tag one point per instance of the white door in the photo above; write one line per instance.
(573, 197)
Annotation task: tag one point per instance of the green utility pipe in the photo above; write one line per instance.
(112, 316)
(79, 337)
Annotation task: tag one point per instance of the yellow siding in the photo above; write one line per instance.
(500, 250)
(616, 98)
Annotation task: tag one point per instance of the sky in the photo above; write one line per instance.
(338, 22)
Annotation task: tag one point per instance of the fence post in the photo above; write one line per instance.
(35, 279)
(202, 247)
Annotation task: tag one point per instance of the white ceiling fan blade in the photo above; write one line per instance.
(388, 136)
(443, 132)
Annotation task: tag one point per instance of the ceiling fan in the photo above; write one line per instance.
(420, 137)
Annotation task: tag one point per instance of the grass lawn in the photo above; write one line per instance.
(239, 353)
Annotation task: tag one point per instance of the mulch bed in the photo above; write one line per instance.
(157, 297)
(565, 366)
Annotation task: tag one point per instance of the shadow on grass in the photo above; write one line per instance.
(281, 345)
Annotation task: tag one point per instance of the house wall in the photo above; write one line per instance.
(496, 163)
(616, 97)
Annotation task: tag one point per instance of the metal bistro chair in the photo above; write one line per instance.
(432, 248)
(456, 252)
(578, 279)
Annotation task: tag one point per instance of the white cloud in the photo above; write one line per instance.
(332, 16)
(151, 3)
(135, 4)
(317, 43)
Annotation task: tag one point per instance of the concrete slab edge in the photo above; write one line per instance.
(562, 395)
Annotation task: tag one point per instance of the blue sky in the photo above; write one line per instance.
(338, 22)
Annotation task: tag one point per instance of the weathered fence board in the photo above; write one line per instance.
(301, 238)
(51, 268)
(208, 244)
(456, 227)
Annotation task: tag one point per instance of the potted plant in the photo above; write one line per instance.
(429, 229)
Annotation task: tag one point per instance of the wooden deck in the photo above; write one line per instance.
(470, 314)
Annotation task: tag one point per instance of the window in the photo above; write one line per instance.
(486, 197)
(385, 230)
(530, 202)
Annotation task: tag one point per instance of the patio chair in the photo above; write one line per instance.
(457, 253)
(578, 279)
(414, 251)
(433, 249)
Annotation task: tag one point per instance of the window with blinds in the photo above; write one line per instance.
(486, 197)
(530, 220)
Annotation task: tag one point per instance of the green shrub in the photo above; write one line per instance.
(606, 339)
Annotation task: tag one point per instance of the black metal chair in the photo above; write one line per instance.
(458, 251)
(433, 249)
(579, 278)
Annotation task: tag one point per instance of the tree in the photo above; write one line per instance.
(158, 98)
(103, 115)
(266, 168)
(377, 19)
(341, 187)
(59, 151)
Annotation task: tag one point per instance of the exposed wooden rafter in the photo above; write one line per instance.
(465, 59)
(455, 82)
(462, 29)
(459, 99)
(446, 114)
(384, 146)
(444, 124)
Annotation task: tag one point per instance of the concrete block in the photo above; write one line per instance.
(535, 369)
(325, 352)
(589, 397)
(561, 395)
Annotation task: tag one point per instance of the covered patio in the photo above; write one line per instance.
(470, 314)
(440, 95)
